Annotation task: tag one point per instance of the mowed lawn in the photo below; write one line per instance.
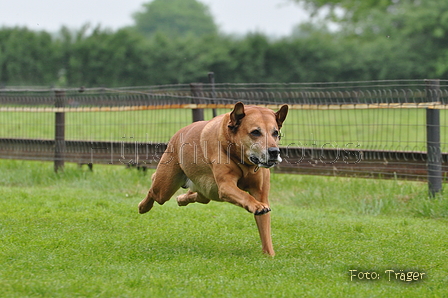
(78, 234)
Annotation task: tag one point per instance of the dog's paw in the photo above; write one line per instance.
(262, 210)
(145, 206)
(182, 200)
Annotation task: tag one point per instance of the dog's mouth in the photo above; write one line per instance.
(269, 164)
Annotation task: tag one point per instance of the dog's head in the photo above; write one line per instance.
(256, 131)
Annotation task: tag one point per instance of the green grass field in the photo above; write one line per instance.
(377, 129)
(78, 234)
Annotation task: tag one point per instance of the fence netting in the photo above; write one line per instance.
(378, 116)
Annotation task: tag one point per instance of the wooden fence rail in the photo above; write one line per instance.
(312, 161)
(431, 166)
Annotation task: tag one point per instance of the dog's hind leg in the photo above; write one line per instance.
(191, 197)
(165, 182)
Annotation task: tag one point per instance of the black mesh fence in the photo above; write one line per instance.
(364, 129)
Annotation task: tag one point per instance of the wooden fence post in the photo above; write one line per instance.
(59, 136)
(434, 153)
(211, 80)
(196, 90)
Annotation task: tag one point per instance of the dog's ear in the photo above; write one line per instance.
(236, 116)
(280, 116)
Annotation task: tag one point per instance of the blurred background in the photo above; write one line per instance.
(137, 42)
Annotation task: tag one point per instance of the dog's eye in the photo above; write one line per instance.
(275, 134)
(255, 133)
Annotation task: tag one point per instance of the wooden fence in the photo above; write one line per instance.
(431, 95)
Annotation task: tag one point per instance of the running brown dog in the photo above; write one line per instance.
(224, 159)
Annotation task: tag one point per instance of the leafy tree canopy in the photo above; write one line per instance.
(417, 28)
(406, 16)
(175, 18)
(352, 10)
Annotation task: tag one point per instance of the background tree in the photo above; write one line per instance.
(103, 57)
(399, 39)
(27, 57)
(175, 18)
(349, 10)
(407, 34)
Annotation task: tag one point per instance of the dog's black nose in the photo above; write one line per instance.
(273, 152)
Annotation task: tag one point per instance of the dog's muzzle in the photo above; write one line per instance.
(270, 159)
(274, 153)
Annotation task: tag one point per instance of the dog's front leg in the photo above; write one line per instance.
(260, 209)
(264, 228)
(262, 217)
(260, 190)
(256, 202)
(229, 192)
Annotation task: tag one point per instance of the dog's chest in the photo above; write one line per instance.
(206, 185)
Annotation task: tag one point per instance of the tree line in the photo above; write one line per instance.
(378, 46)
